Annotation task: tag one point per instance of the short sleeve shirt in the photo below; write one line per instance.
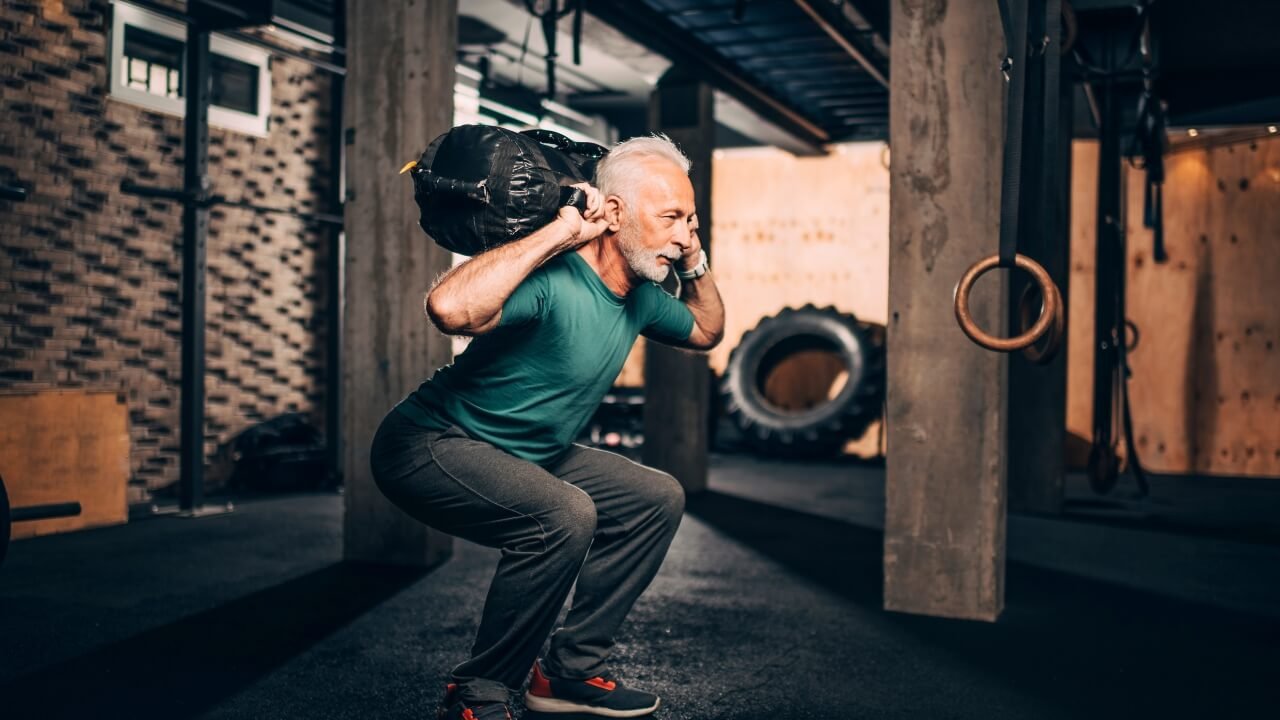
(531, 384)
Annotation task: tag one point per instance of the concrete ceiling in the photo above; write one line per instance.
(615, 78)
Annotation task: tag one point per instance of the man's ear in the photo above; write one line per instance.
(613, 211)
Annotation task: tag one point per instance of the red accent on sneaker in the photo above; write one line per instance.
(467, 714)
(450, 687)
(539, 685)
(602, 683)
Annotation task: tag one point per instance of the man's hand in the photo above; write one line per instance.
(468, 299)
(582, 228)
(700, 296)
(690, 257)
(692, 254)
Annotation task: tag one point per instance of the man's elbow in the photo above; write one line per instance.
(703, 341)
(445, 315)
(452, 318)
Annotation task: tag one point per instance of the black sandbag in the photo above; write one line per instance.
(480, 186)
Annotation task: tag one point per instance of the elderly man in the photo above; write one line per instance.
(484, 449)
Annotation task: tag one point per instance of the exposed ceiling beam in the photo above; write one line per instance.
(855, 78)
(855, 44)
(744, 25)
(863, 113)
(804, 37)
(849, 102)
(734, 115)
(655, 31)
(707, 10)
(813, 88)
(870, 16)
(861, 123)
(749, 60)
(821, 70)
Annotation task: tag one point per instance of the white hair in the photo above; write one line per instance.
(621, 171)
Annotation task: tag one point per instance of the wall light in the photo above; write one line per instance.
(1193, 132)
(1271, 129)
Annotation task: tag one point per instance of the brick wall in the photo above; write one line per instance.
(89, 276)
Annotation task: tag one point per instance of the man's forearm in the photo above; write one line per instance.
(702, 297)
(468, 299)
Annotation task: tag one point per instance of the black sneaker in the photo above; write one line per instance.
(453, 708)
(601, 695)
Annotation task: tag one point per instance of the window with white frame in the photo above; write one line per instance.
(148, 54)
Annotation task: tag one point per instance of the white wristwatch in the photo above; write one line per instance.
(698, 270)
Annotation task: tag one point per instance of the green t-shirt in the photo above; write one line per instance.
(532, 383)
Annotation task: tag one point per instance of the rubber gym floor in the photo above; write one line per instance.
(768, 607)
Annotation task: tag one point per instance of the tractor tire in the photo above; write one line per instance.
(811, 432)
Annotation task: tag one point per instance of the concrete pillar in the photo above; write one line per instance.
(677, 383)
(945, 497)
(400, 63)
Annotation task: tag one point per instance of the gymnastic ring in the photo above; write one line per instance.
(1053, 339)
(1131, 345)
(1051, 306)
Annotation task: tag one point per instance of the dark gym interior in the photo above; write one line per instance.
(993, 431)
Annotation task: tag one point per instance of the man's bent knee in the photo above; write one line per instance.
(574, 521)
(668, 495)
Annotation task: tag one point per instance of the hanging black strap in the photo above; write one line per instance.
(1159, 254)
(578, 10)
(1006, 22)
(1052, 88)
(1152, 214)
(1148, 202)
(1013, 16)
(1152, 146)
(549, 18)
(1131, 447)
(549, 37)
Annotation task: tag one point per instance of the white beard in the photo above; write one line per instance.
(642, 260)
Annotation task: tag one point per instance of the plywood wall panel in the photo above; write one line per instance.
(1084, 199)
(1163, 301)
(791, 231)
(59, 446)
(1206, 373)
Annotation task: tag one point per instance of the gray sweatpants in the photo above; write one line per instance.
(592, 516)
